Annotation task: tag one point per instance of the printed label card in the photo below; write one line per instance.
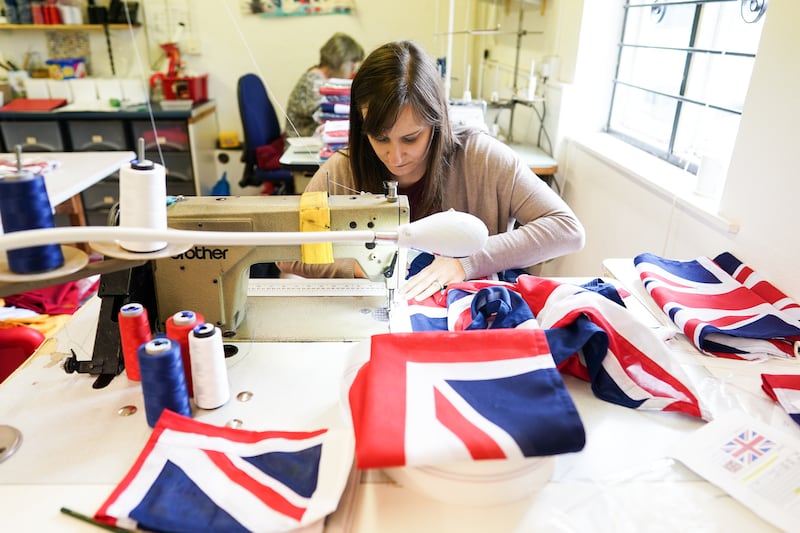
(757, 464)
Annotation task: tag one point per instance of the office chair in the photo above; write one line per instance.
(261, 131)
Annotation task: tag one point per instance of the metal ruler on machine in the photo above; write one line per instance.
(315, 287)
(300, 309)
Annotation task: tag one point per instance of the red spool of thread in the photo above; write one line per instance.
(134, 330)
(179, 327)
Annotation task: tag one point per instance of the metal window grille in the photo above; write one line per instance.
(682, 74)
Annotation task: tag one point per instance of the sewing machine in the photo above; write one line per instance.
(214, 281)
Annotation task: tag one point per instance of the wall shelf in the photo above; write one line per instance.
(64, 27)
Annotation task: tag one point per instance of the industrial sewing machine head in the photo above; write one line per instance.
(212, 277)
(214, 280)
(210, 244)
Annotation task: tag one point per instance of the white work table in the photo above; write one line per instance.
(76, 447)
(77, 171)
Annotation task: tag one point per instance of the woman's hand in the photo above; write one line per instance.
(434, 277)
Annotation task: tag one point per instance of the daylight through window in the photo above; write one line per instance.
(682, 76)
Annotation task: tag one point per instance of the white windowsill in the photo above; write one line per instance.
(663, 179)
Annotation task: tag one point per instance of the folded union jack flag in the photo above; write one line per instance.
(784, 389)
(196, 477)
(439, 397)
(589, 332)
(723, 307)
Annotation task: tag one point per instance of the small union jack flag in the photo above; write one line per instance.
(196, 477)
(748, 446)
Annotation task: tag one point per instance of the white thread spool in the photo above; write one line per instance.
(532, 81)
(710, 176)
(495, 93)
(467, 92)
(209, 372)
(143, 200)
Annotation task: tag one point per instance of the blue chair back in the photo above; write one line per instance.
(261, 127)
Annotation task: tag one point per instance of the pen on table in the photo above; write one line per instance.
(92, 521)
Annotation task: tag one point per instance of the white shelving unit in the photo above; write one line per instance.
(520, 32)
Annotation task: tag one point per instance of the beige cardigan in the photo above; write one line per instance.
(528, 222)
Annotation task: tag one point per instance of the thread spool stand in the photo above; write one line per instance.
(116, 288)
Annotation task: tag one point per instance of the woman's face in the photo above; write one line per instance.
(404, 147)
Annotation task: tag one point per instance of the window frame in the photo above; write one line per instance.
(680, 97)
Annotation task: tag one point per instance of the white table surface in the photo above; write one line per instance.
(77, 171)
(76, 448)
(533, 156)
(301, 151)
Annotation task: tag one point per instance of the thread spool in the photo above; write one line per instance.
(209, 372)
(134, 330)
(25, 205)
(163, 379)
(143, 200)
(467, 93)
(532, 81)
(179, 326)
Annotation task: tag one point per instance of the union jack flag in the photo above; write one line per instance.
(748, 447)
(784, 389)
(440, 397)
(723, 307)
(753, 281)
(590, 335)
(194, 477)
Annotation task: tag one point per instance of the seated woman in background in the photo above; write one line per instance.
(400, 131)
(338, 58)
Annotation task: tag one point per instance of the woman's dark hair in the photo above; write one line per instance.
(392, 76)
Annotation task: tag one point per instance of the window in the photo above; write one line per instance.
(682, 76)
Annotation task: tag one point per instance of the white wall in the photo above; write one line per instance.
(232, 43)
(624, 218)
(281, 49)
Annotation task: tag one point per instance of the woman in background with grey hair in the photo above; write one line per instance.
(339, 57)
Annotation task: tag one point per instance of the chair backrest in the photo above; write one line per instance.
(259, 121)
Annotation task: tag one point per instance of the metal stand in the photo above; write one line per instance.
(116, 289)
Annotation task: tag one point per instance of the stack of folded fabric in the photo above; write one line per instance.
(334, 135)
(34, 165)
(333, 115)
(335, 94)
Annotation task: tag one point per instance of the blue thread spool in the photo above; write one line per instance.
(163, 379)
(24, 205)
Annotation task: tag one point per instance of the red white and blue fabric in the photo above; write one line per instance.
(784, 389)
(753, 281)
(441, 397)
(723, 307)
(590, 334)
(196, 477)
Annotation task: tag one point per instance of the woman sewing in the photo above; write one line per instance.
(400, 131)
